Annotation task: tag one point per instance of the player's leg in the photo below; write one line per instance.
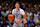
(14, 25)
(21, 25)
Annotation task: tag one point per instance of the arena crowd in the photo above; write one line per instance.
(31, 8)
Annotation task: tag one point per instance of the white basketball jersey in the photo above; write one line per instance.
(18, 14)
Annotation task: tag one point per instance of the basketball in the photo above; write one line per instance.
(10, 17)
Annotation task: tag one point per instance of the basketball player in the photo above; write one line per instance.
(18, 13)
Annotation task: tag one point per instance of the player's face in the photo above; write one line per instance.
(17, 5)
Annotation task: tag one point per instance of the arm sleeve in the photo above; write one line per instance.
(12, 11)
(22, 12)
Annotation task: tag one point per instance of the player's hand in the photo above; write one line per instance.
(17, 21)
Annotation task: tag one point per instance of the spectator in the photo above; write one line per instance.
(38, 24)
(36, 16)
(0, 12)
(1, 18)
(26, 11)
(4, 13)
(9, 11)
(29, 6)
(31, 22)
(39, 11)
(24, 7)
(33, 11)
(29, 14)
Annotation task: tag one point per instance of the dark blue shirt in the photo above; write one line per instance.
(29, 22)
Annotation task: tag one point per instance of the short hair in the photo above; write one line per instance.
(17, 3)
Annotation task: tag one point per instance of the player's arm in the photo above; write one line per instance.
(13, 12)
(24, 16)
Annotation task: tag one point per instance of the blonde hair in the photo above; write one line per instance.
(17, 3)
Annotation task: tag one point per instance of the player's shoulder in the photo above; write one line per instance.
(21, 10)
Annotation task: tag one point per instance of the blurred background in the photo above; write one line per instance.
(31, 8)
